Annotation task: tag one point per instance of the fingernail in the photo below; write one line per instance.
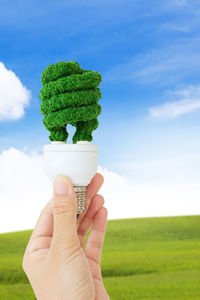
(61, 186)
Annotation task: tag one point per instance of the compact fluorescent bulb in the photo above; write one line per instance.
(77, 161)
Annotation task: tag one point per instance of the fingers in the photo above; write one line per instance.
(94, 244)
(96, 203)
(40, 243)
(94, 185)
(92, 189)
(64, 214)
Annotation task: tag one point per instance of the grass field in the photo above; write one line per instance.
(152, 258)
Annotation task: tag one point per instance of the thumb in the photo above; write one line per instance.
(64, 213)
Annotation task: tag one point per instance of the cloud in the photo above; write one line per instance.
(14, 97)
(169, 64)
(25, 189)
(189, 101)
(174, 109)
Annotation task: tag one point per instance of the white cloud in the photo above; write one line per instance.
(189, 101)
(25, 189)
(128, 199)
(174, 109)
(14, 97)
(166, 65)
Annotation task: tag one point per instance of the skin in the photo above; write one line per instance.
(57, 265)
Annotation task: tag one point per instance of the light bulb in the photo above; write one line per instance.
(70, 95)
(77, 161)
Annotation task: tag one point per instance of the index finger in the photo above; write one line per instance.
(92, 189)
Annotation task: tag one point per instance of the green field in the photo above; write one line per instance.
(151, 258)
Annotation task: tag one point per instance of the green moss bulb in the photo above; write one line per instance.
(70, 95)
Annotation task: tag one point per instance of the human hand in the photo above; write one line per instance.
(55, 262)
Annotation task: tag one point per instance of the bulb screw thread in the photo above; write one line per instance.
(81, 198)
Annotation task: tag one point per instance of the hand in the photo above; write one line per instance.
(55, 262)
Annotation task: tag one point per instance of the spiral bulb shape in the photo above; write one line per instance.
(70, 95)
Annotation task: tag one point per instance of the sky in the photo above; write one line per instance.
(148, 134)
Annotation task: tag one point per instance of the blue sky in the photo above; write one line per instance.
(149, 58)
(144, 53)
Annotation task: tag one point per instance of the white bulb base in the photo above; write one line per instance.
(76, 161)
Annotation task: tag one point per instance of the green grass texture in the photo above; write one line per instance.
(149, 258)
